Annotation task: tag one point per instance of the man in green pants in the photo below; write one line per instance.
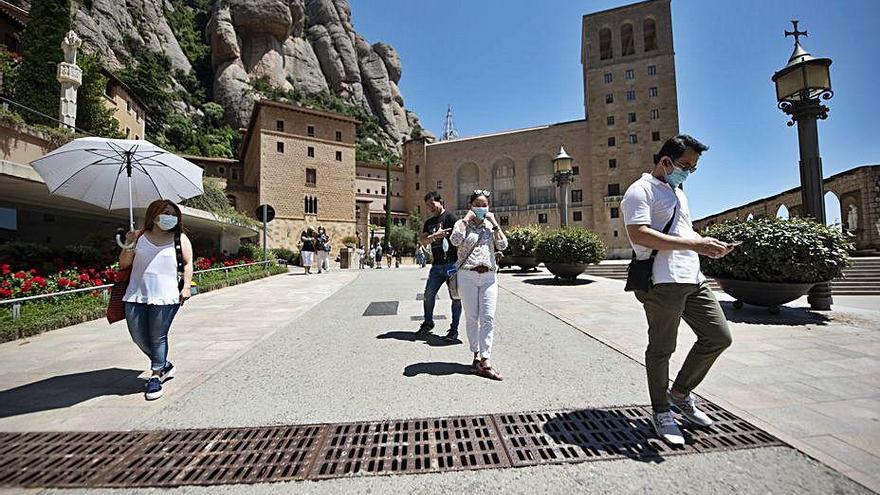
(653, 204)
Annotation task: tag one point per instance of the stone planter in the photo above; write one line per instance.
(566, 271)
(767, 294)
(525, 263)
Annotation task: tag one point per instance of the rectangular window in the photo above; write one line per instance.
(652, 91)
(417, 170)
(383, 191)
(417, 186)
(577, 216)
(128, 106)
(609, 120)
(633, 139)
(542, 218)
(338, 156)
(630, 75)
(339, 135)
(655, 136)
(439, 184)
(575, 170)
(609, 98)
(8, 219)
(577, 196)
(612, 142)
(504, 220)
(311, 176)
(311, 151)
(631, 117)
(615, 233)
(310, 130)
(631, 95)
(279, 147)
(279, 125)
(655, 114)
(614, 189)
(612, 163)
(608, 78)
(652, 70)
(615, 212)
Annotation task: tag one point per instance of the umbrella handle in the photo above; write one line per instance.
(120, 243)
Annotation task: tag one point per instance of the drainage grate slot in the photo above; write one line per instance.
(383, 308)
(422, 317)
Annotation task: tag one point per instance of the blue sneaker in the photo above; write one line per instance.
(154, 389)
(167, 372)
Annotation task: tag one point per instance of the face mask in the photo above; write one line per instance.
(677, 177)
(480, 211)
(445, 245)
(167, 222)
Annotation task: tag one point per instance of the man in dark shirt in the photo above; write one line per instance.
(436, 233)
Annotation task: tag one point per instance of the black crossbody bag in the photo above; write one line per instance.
(639, 274)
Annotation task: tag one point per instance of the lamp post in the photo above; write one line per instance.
(799, 87)
(562, 176)
(387, 240)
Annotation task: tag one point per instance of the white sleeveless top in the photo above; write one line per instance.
(153, 274)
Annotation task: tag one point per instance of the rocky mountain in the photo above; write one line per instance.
(302, 46)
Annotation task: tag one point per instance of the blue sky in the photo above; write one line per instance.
(506, 64)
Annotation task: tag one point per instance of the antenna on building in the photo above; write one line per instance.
(449, 130)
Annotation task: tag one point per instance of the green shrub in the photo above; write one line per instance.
(349, 241)
(285, 254)
(570, 245)
(403, 240)
(778, 250)
(521, 241)
(252, 251)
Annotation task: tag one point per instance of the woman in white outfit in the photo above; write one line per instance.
(477, 236)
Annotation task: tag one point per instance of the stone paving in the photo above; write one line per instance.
(810, 378)
(296, 349)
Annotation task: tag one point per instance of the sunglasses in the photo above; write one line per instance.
(482, 192)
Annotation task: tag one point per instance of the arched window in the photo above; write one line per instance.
(503, 183)
(541, 180)
(627, 43)
(468, 180)
(833, 211)
(782, 212)
(605, 50)
(649, 31)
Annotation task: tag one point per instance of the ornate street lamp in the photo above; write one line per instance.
(799, 87)
(562, 176)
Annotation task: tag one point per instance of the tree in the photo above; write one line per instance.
(402, 239)
(35, 85)
(91, 114)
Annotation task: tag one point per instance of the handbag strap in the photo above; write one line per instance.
(665, 231)
(473, 247)
(178, 252)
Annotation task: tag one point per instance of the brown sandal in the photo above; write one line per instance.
(489, 372)
(476, 366)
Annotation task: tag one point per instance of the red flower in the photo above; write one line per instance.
(63, 282)
(5, 293)
(40, 281)
(20, 275)
(84, 277)
(26, 286)
(33, 271)
(4, 269)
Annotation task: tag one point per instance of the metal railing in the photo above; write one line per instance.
(105, 289)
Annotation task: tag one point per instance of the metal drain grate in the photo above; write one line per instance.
(422, 317)
(282, 453)
(410, 446)
(383, 308)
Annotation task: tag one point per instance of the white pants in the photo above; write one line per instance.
(323, 260)
(307, 257)
(479, 294)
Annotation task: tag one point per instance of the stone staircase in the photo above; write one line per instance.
(862, 279)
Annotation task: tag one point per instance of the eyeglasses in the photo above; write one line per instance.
(482, 192)
(685, 166)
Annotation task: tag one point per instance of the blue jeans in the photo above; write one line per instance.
(436, 279)
(148, 325)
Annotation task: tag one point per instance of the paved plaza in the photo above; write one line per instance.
(295, 349)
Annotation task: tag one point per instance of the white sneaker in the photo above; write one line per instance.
(666, 429)
(687, 408)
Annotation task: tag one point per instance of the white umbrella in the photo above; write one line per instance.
(118, 173)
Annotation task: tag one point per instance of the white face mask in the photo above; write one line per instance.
(167, 222)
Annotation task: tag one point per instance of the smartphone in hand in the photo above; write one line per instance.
(734, 243)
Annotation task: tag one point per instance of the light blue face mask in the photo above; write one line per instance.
(480, 211)
(167, 222)
(677, 177)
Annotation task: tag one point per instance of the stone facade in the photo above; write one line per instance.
(128, 111)
(857, 188)
(630, 107)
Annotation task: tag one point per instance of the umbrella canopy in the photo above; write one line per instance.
(118, 173)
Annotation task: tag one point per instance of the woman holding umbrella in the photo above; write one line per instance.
(156, 287)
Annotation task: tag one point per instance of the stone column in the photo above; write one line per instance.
(70, 77)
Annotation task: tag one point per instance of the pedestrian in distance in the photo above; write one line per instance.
(435, 233)
(322, 250)
(378, 256)
(159, 283)
(307, 239)
(477, 236)
(658, 222)
(389, 256)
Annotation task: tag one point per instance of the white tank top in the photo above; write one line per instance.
(153, 274)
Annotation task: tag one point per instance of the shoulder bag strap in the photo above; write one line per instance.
(178, 252)
(471, 251)
(667, 227)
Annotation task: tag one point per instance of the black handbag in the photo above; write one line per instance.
(639, 274)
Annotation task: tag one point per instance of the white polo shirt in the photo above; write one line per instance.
(650, 201)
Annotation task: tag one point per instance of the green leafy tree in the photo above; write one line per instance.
(35, 85)
(92, 115)
(402, 239)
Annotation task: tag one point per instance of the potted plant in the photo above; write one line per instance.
(566, 252)
(778, 261)
(521, 242)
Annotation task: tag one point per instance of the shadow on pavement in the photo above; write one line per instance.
(557, 281)
(431, 339)
(437, 369)
(67, 390)
(759, 315)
